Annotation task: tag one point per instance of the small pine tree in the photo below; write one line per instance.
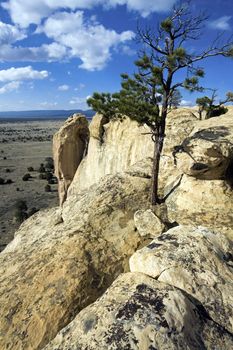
(147, 94)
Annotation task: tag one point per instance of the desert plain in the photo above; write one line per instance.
(23, 145)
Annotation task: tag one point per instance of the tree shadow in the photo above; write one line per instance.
(210, 134)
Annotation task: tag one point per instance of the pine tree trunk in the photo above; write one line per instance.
(158, 147)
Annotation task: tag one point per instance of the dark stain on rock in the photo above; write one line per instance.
(89, 324)
(166, 237)
(154, 245)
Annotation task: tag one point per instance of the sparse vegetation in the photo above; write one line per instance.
(208, 105)
(47, 188)
(26, 177)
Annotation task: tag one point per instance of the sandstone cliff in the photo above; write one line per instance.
(175, 285)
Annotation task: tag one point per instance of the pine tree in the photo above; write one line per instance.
(208, 105)
(146, 95)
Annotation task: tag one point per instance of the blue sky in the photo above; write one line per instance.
(56, 53)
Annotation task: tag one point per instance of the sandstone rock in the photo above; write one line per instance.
(148, 224)
(61, 260)
(139, 313)
(117, 145)
(201, 202)
(197, 261)
(208, 150)
(69, 145)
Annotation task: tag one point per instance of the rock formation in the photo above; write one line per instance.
(186, 302)
(62, 260)
(69, 145)
(116, 145)
(178, 293)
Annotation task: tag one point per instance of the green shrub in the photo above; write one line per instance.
(26, 177)
(30, 168)
(47, 188)
(2, 181)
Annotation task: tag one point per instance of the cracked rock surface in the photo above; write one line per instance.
(198, 262)
(139, 313)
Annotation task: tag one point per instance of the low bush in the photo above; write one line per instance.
(47, 188)
(26, 177)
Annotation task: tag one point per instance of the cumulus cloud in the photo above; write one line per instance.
(12, 86)
(89, 41)
(24, 12)
(221, 23)
(9, 34)
(22, 73)
(63, 87)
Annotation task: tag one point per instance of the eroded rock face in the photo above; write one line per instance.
(148, 224)
(69, 145)
(197, 261)
(118, 144)
(139, 313)
(208, 150)
(201, 202)
(61, 260)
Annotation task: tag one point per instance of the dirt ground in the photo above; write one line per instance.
(24, 145)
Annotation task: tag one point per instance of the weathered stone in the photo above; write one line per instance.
(61, 260)
(148, 224)
(69, 145)
(201, 202)
(194, 260)
(117, 145)
(139, 313)
(208, 150)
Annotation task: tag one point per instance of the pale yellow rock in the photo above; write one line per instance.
(139, 313)
(209, 148)
(69, 145)
(197, 261)
(117, 145)
(201, 202)
(61, 260)
(148, 224)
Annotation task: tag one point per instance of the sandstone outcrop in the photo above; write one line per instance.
(208, 150)
(118, 144)
(139, 313)
(196, 261)
(148, 224)
(201, 202)
(61, 260)
(69, 145)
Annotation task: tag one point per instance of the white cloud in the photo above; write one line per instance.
(22, 73)
(9, 34)
(48, 104)
(89, 41)
(63, 87)
(186, 103)
(12, 86)
(145, 7)
(221, 23)
(78, 100)
(24, 12)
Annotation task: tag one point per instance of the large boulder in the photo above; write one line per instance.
(196, 261)
(207, 152)
(69, 146)
(209, 203)
(61, 260)
(139, 313)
